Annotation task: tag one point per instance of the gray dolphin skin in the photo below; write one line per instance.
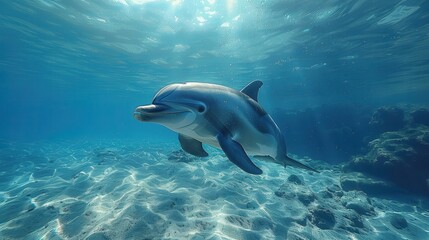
(222, 117)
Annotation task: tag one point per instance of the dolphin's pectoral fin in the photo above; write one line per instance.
(236, 154)
(252, 89)
(192, 146)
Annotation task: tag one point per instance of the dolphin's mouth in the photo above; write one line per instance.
(148, 112)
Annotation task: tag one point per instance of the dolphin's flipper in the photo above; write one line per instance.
(192, 146)
(252, 89)
(236, 154)
(295, 163)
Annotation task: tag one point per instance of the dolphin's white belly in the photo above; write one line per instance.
(266, 147)
(255, 142)
(201, 133)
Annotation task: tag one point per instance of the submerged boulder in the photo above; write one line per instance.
(398, 221)
(295, 179)
(401, 157)
(322, 217)
(296, 191)
(420, 116)
(387, 119)
(358, 202)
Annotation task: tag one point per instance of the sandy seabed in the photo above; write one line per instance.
(153, 191)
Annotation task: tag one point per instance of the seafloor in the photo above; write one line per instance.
(143, 190)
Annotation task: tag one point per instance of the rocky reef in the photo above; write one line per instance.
(420, 116)
(389, 144)
(387, 119)
(330, 208)
(400, 153)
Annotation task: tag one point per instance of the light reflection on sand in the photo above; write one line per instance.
(96, 191)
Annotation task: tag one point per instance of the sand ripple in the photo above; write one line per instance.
(146, 191)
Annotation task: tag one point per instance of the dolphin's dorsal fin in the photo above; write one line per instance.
(252, 89)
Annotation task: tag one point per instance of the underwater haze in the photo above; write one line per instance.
(347, 83)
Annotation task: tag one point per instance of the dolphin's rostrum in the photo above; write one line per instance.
(221, 117)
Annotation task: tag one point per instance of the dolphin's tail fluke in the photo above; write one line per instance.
(294, 163)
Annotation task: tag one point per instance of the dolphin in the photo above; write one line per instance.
(221, 117)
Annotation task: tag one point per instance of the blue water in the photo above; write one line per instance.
(78, 68)
(72, 73)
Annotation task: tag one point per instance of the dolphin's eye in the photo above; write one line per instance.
(201, 109)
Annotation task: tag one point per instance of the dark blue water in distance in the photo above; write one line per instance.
(346, 81)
